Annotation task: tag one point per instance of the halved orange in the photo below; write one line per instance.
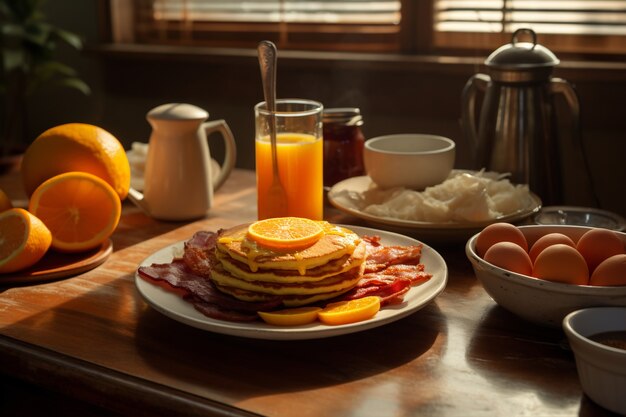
(24, 240)
(285, 232)
(344, 312)
(290, 316)
(80, 209)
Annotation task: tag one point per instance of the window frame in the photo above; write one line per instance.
(417, 37)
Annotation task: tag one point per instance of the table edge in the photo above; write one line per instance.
(95, 384)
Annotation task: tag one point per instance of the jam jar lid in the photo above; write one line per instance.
(346, 116)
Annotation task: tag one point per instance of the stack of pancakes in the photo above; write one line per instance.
(251, 272)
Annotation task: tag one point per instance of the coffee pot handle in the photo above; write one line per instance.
(478, 82)
(560, 86)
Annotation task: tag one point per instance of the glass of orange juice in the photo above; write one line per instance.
(299, 152)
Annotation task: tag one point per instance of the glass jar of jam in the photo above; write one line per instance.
(343, 144)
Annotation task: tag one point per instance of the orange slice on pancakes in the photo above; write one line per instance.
(285, 233)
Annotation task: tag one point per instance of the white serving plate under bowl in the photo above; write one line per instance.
(601, 368)
(537, 300)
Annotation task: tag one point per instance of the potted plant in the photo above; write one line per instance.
(29, 44)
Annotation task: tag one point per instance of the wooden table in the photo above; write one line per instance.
(93, 337)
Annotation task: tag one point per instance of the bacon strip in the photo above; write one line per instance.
(202, 293)
(380, 257)
(198, 250)
(414, 273)
(389, 288)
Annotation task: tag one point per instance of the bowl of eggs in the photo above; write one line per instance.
(542, 273)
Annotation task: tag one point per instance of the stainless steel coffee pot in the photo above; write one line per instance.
(517, 130)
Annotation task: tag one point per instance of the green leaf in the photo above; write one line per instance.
(48, 70)
(68, 37)
(13, 59)
(11, 29)
(55, 73)
(37, 33)
(75, 83)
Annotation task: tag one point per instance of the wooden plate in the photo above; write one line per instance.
(56, 265)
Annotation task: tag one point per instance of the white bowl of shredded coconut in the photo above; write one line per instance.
(465, 202)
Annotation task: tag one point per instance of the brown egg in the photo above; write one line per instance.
(499, 232)
(549, 240)
(561, 263)
(596, 245)
(509, 256)
(611, 271)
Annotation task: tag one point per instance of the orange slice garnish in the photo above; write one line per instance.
(24, 240)
(80, 209)
(290, 316)
(344, 312)
(285, 232)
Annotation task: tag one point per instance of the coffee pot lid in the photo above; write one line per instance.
(522, 55)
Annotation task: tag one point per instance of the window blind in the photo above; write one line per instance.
(428, 26)
(556, 16)
(302, 11)
(588, 25)
(318, 24)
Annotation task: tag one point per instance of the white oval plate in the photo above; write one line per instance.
(178, 309)
(427, 231)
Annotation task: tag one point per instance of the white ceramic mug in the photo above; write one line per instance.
(178, 183)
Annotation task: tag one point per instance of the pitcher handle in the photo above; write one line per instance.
(468, 108)
(230, 155)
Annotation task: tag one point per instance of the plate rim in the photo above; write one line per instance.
(435, 286)
(419, 225)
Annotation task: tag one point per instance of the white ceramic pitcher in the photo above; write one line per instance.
(178, 179)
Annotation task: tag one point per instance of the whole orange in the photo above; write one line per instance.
(76, 147)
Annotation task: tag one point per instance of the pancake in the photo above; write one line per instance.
(334, 244)
(287, 300)
(242, 271)
(338, 282)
